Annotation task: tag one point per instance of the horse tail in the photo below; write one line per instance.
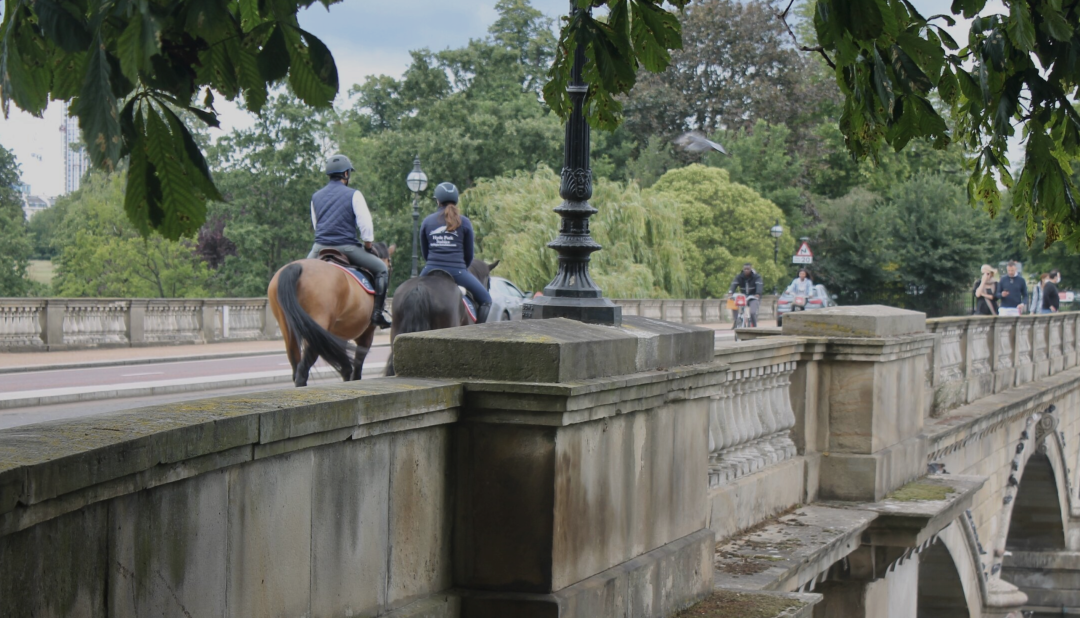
(412, 314)
(330, 347)
(415, 311)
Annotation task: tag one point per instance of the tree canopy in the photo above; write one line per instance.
(130, 69)
(641, 233)
(726, 224)
(15, 244)
(902, 74)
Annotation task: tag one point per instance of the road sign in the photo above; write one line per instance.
(803, 255)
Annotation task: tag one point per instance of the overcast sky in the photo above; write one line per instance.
(367, 37)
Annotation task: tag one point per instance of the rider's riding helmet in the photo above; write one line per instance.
(446, 192)
(338, 164)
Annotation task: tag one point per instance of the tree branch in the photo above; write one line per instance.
(782, 16)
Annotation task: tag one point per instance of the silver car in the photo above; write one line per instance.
(819, 298)
(506, 300)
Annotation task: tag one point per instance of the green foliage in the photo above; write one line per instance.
(922, 238)
(43, 230)
(15, 244)
(761, 159)
(737, 66)
(641, 234)
(469, 113)
(268, 173)
(1017, 70)
(152, 59)
(726, 224)
(102, 254)
(634, 33)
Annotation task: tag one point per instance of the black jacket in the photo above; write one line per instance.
(751, 286)
(1050, 296)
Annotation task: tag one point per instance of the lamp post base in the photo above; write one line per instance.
(589, 310)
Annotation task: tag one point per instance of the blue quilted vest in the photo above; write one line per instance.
(334, 216)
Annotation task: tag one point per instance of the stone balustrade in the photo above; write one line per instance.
(750, 421)
(978, 356)
(66, 323)
(690, 311)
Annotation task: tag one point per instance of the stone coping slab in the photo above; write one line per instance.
(559, 405)
(43, 461)
(877, 321)
(738, 603)
(551, 351)
(790, 551)
(968, 421)
(918, 511)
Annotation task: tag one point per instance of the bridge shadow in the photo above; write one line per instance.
(941, 590)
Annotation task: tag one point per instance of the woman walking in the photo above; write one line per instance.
(985, 290)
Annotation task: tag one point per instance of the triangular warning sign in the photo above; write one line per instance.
(804, 251)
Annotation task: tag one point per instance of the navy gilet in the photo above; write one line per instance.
(335, 220)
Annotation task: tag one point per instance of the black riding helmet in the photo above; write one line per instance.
(446, 192)
(338, 164)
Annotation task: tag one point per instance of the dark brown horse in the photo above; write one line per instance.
(319, 308)
(432, 302)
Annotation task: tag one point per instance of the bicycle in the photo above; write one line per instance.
(740, 304)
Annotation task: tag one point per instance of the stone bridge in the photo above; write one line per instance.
(861, 463)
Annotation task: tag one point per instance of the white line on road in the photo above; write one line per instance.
(145, 373)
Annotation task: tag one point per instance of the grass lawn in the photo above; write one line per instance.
(42, 271)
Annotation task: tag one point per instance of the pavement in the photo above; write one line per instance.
(43, 386)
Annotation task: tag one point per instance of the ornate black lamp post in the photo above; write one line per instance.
(776, 231)
(417, 181)
(573, 294)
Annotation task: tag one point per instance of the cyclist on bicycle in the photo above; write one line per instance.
(749, 283)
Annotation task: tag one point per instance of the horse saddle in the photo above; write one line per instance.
(466, 297)
(364, 277)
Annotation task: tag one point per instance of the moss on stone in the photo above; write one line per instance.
(920, 492)
(729, 604)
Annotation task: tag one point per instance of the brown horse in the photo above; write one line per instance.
(319, 308)
(432, 302)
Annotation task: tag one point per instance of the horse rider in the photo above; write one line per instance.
(446, 239)
(337, 211)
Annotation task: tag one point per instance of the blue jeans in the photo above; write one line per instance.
(466, 280)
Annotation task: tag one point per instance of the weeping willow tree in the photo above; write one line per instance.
(642, 235)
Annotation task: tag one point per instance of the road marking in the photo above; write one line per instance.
(145, 373)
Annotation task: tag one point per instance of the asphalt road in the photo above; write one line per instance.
(12, 383)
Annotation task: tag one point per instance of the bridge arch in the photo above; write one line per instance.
(950, 581)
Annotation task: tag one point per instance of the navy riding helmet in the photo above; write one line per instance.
(446, 192)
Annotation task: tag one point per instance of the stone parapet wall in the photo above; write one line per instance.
(68, 323)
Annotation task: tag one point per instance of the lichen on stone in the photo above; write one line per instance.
(920, 492)
(730, 604)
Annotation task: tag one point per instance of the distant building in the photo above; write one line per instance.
(33, 204)
(76, 163)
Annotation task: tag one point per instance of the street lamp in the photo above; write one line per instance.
(573, 294)
(776, 231)
(417, 181)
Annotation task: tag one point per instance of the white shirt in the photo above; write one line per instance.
(363, 217)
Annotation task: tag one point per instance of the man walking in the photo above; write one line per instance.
(1051, 302)
(1012, 292)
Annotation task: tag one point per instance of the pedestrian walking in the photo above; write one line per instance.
(1037, 294)
(1051, 301)
(985, 291)
(1012, 292)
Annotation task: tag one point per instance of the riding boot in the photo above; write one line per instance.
(382, 282)
(482, 313)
